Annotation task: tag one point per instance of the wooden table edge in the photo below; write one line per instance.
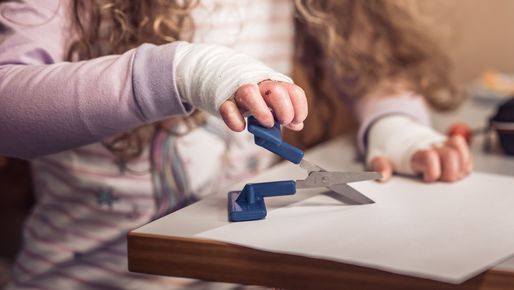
(224, 262)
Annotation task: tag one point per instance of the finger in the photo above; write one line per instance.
(248, 97)
(427, 163)
(382, 166)
(277, 98)
(231, 116)
(459, 143)
(295, 127)
(450, 163)
(299, 101)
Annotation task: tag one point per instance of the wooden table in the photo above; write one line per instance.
(177, 252)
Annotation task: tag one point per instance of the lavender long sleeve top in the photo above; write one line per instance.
(48, 105)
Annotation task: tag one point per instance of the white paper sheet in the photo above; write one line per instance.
(445, 232)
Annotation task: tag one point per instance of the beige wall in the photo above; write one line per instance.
(477, 34)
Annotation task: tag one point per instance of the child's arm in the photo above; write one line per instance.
(396, 136)
(47, 105)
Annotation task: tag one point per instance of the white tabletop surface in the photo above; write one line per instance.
(206, 214)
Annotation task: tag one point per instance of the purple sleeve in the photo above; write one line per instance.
(47, 105)
(369, 111)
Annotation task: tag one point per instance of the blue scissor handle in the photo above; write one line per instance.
(271, 139)
(253, 192)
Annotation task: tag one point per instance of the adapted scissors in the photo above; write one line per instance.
(248, 204)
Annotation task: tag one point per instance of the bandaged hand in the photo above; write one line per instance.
(228, 84)
(397, 143)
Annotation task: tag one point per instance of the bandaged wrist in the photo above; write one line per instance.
(397, 138)
(207, 75)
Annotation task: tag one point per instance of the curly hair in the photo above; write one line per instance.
(362, 44)
(114, 26)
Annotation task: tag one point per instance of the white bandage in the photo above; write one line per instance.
(397, 138)
(207, 75)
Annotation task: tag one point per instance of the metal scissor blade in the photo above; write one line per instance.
(347, 177)
(350, 195)
(309, 166)
(344, 177)
(329, 178)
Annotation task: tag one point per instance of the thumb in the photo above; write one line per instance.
(383, 166)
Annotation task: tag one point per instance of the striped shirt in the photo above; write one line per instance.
(75, 237)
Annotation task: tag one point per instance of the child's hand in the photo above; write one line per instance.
(450, 162)
(287, 101)
(397, 144)
(227, 83)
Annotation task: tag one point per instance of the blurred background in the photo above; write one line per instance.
(478, 35)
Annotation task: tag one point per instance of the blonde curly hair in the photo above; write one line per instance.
(361, 44)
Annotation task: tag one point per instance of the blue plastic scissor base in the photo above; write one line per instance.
(238, 212)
